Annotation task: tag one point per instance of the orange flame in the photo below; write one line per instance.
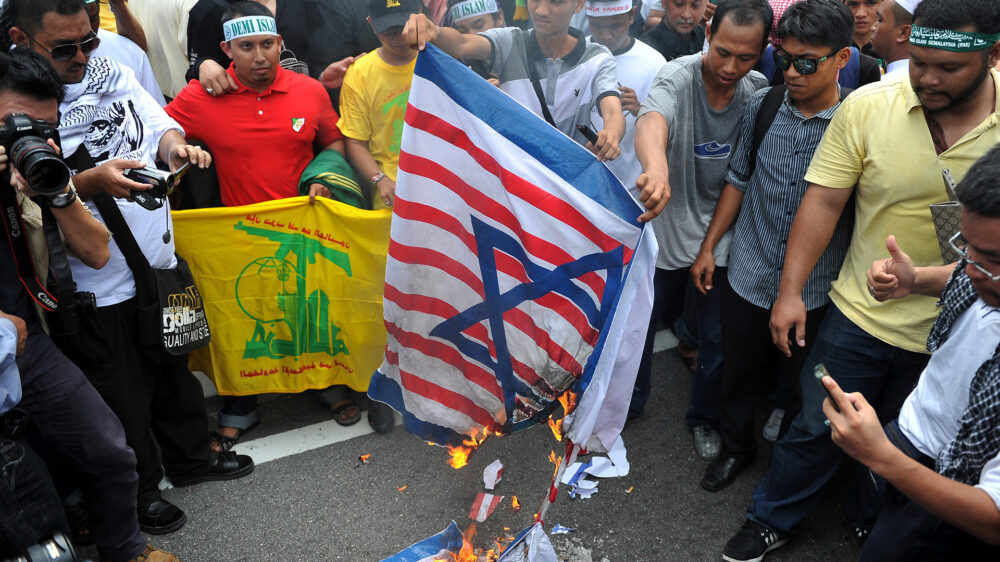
(556, 461)
(401, 489)
(630, 488)
(460, 454)
(515, 504)
(556, 427)
(568, 402)
(364, 458)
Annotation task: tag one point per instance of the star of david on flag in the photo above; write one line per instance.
(517, 270)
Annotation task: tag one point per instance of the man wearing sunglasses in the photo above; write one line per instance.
(764, 187)
(886, 145)
(941, 456)
(108, 125)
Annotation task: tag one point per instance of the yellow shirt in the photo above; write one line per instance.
(372, 104)
(108, 22)
(879, 140)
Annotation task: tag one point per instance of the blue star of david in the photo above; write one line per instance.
(543, 281)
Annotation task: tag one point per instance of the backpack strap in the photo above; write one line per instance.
(766, 113)
(850, 75)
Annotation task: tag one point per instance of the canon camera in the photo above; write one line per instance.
(25, 140)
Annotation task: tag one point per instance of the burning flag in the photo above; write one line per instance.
(484, 506)
(517, 271)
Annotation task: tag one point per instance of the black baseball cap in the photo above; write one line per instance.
(386, 14)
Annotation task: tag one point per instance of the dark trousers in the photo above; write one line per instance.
(30, 509)
(158, 404)
(668, 285)
(805, 459)
(75, 429)
(906, 531)
(746, 346)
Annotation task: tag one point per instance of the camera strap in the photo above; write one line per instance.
(17, 238)
(61, 280)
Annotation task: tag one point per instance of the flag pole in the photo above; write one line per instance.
(572, 450)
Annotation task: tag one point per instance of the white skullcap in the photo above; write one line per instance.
(908, 5)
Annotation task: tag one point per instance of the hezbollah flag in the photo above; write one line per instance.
(292, 291)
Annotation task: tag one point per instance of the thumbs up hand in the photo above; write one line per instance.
(891, 278)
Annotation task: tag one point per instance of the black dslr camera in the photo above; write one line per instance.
(24, 139)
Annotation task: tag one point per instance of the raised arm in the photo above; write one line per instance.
(651, 133)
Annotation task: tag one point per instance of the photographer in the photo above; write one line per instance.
(73, 425)
(110, 126)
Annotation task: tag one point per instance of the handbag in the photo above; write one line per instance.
(171, 313)
(947, 219)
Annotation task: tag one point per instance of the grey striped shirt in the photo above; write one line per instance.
(771, 198)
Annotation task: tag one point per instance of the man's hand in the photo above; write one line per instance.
(654, 193)
(387, 191)
(110, 178)
(183, 153)
(215, 79)
(709, 13)
(856, 428)
(332, 76)
(317, 190)
(891, 278)
(788, 322)
(630, 101)
(607, 146)
(702, 271)
(21, 328)
(419, 30)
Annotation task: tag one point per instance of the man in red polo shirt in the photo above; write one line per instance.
(265, 133)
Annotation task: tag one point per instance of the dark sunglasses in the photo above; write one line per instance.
(802, 66)
(66, 51)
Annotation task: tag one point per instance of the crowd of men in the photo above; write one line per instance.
(787, 154)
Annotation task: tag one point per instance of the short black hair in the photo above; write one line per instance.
(979, 190)
(245, 8)
(31, 74)
(27, 14)
(981, 15)
(900, 16)
(829, 23)
(745, 12)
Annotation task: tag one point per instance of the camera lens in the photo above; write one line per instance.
(44, 171)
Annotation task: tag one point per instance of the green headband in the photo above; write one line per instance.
(948, 40)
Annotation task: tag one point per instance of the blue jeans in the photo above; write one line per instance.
(30, 510)
(805, 459)
(706, 395)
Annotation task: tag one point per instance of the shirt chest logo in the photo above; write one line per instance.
(298, 123)
(712, 150)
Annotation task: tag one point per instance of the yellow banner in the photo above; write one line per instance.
(292, 291)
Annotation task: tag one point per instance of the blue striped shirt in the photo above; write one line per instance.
(771, 197)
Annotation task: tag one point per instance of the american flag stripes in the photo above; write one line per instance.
(516, 269)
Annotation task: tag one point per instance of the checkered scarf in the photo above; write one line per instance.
(978, 437)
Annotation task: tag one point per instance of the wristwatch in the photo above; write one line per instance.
(62, 200)
(378, 177)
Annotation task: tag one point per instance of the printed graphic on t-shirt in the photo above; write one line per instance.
(397, 101)
(115, 132)
(713, 150)
(298, 123)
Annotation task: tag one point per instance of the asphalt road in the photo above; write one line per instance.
(324, 504)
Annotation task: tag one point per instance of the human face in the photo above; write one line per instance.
(56, 30)
(982, 235)
(865, 16)
(394, 43)
(884, 40)
(552, 17)
(733, 51)
(683, 15)
(256, 59)
(479, 23)
(611, 31)
(944, 80)
(803, 87)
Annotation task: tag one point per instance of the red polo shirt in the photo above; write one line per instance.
(260, 141)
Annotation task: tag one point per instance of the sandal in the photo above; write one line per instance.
(346, 412)
(226, 442)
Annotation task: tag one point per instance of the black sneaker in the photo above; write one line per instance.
(751, 543)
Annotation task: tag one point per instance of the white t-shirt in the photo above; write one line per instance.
(126, 122)
(165, 23)
(637, 69)
(931, 416)
(123, 51)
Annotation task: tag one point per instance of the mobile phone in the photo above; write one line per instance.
(588, 133)
(820, 372)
